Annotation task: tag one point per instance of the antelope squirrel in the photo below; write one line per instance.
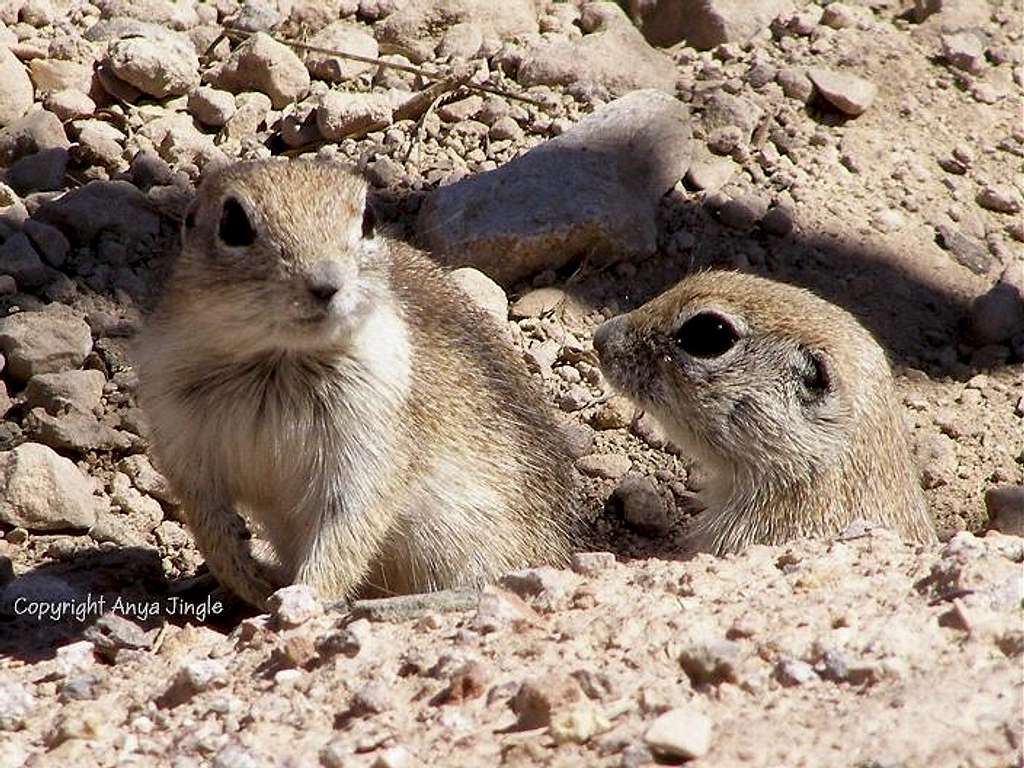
(334, 387)
(784, 398)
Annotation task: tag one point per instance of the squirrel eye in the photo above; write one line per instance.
(235, 228)
(706, 335)
(369, 221)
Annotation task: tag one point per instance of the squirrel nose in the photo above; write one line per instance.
(323, 292)
(324, 280)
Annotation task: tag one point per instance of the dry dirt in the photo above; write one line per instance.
(860, 652)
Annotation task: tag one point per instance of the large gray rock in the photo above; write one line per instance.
(43, 342)
(704, 23)
(42, 491)
(101, 206)
(159, 67)
(593, 190)
(265, 65)
(16, 91)
(597, 59)
(416, 26)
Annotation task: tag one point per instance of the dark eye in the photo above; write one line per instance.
(706, 335)
(235, 228)
(369, 220)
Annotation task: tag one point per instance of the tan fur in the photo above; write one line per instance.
(387, 441)
(789, 453)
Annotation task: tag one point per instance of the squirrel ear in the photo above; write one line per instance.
(815, 371)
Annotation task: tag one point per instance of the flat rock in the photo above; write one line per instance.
(75, 432)
(75, 390)
(594, 190)
(43, 342)
(416, 26)
(596, 60)
(263, 64)
(117, 207)
(42, 491)
(16, 91)
(704, 23)
(340, 115)
(850, 94)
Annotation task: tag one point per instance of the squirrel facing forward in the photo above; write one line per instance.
(335, 389)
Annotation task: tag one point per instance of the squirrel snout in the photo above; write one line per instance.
(325, 279)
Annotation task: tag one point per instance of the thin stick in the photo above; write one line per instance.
(432, 76)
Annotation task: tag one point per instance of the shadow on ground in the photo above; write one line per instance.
(117, 598)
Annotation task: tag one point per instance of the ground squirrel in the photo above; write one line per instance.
(785, 399)
(336, 388)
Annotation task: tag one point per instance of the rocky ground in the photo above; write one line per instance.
(585, 158)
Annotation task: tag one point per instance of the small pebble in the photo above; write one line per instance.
(794, 672)
(683, 732)
(643, 507)
(295, 605)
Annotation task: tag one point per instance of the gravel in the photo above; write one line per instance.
(887, 185)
